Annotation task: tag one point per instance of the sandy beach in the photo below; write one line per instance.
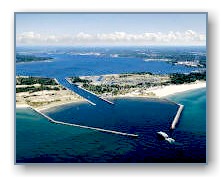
(162, 91)
(49, 106)
(42, 100)
(174, 89)
(22, 105)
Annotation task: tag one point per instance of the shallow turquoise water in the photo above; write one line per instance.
(194, 116)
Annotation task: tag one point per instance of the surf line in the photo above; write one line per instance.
(177, 117)
(83, 126)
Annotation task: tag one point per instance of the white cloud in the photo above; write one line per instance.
(188, 37)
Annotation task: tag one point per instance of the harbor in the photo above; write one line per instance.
(110, 88)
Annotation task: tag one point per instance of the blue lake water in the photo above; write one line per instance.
(67, 64)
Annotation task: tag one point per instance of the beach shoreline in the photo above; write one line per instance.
(158, 92)
(165, 91)
(175, 89)
(49, 106)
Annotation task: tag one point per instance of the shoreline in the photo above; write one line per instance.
(160, 92)
(49, 106)
(165, 91)
(175, 89)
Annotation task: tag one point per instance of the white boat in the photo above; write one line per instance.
(162, 134)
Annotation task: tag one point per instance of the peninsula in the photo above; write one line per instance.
(31, 58)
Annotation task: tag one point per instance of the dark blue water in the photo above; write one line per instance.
(126, 115)
(41, 141)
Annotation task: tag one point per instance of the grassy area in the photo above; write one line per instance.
(79, 80)
(30, 82)
(35, 80)
(33, 89)
(187, 78)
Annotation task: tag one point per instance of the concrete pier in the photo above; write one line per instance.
(56, 80)
(85, 127)
(176, 118)
(109, 102)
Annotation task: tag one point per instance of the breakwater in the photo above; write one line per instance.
(83, 126)
(177, 116)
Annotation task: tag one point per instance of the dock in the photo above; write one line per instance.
(83, 126)
(106, 100)
(177, 117)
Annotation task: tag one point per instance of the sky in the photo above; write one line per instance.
(110, 29)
